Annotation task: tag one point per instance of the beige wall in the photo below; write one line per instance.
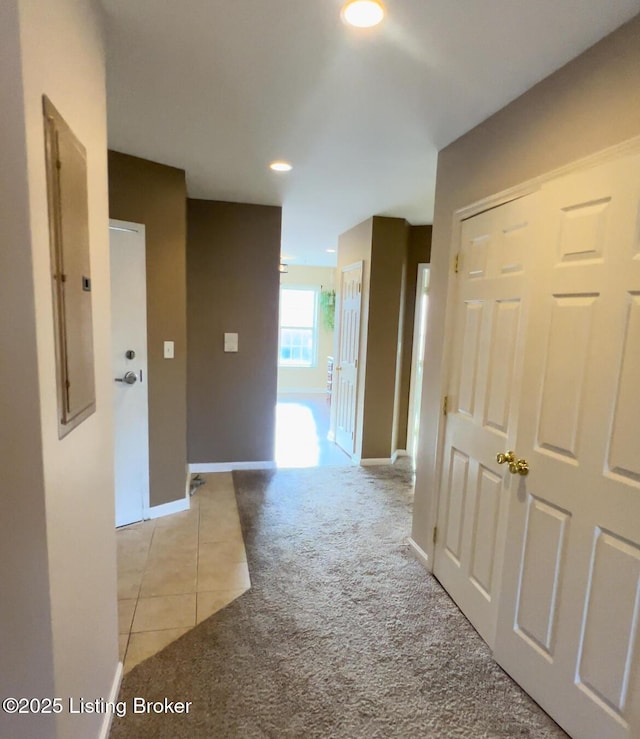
(59, 619)
(25, 607)
(155, 195)
(588, 105)
(233, 286)
(309, 379)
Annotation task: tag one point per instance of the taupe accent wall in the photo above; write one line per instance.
(389, 251)
(388, 262)
(155, 195)
(588, 105)
(233, 286)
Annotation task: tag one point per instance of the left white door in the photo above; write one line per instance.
(129, 365)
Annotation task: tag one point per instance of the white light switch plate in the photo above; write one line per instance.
(231, 342)
(169, 352)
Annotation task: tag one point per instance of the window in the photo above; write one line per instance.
(298, 328)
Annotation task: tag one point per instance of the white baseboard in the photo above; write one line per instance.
(231, 466)
(373, 461)
(398, 453)
(113, 697)
(419, 554)
(166, 509)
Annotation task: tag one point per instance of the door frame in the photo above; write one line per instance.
(414, 391)
(139, 228)
(426, 556)
(355, 454)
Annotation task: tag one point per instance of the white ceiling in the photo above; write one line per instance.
(222, 87)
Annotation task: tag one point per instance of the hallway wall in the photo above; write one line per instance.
(233, 253)
(155, 195)
(57, 538)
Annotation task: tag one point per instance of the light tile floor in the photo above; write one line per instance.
(176, 571)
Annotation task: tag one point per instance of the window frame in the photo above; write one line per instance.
(315, 289)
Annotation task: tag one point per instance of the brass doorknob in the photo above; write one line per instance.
(516, 466)
(521, 467)
(509, 458)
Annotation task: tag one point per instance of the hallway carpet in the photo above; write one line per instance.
(342, 635)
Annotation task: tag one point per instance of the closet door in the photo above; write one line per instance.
(570, 596)
(482, 406)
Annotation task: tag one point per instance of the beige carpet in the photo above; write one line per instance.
(342, 634)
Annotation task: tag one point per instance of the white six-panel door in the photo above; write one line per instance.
(482, 406)
(546, 362)
(570, 605)
(346, 371)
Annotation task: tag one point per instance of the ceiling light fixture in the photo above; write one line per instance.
(363, 13)
(331, 251)
(280, 166)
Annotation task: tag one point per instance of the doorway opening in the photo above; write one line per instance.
(417, 359)
(129, 365)
(305, 369)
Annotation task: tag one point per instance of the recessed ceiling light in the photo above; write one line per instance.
(331, 251)
(363, 13)
(281, 166)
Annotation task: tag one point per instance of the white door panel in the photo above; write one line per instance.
(546, 362)
(348, 349)
(482, 407)
(569, 608)
(129, 335)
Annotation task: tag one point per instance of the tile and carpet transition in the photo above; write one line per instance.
(342, 634)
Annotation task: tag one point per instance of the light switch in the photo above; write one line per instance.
(231, 342)
(169, 350)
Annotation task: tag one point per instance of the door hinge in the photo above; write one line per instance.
(355, 364)
(456, 263)
(445, 405)
(435, 534)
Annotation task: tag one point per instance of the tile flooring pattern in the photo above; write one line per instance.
(176, 571)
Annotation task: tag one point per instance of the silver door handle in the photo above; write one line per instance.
(129, 378)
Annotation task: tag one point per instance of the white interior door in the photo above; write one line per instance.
(129, 352)
(348, 348)
(417, 358)
(570, 605)
(490, 312)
